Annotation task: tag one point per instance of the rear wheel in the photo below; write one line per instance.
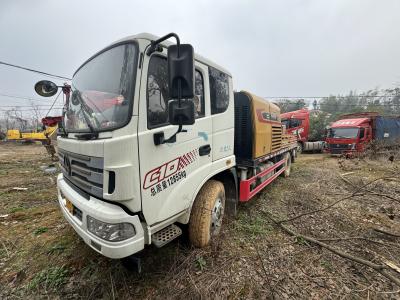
(294, 155)
(287, 165)
(207, 213)
(299, 148)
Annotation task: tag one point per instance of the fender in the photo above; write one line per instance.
(233, 202)
(232, 192)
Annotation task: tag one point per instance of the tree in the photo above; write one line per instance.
(287, 105)
(318, 123)
(384, 101)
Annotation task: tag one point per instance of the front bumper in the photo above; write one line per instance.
(102, 211)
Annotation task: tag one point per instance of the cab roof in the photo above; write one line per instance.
(350, 122)
(301, 113)
(151, 37)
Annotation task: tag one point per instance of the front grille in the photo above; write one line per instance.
(338, 148)
(85, 172)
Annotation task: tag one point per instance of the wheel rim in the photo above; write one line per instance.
(298, 148)
(216, 216)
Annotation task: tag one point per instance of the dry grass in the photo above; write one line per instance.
(41, 255)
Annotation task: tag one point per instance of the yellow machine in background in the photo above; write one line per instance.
(47, 137)
(41, 136)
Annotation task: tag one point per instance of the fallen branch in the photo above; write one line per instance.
(346, 180)
(357, 192)
(321, 209)
(392, 265)
(368, 183)
(359, 238)
(382, 269)
(372, 192)
(386, 232)
(384, 195)
(346, 174)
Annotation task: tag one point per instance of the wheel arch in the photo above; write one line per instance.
(229, 179)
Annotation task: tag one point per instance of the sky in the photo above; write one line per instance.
(281, 48)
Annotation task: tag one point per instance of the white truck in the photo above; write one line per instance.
(136, 164)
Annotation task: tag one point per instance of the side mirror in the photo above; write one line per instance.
(181, 71)
(181, 113)
(46, 88)
(181, 81)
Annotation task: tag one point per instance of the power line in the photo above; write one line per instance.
(17, 106)
(53, 103)
(32, 70)
(360, 105)
(23, 97)
(41, 109)
(325, 97)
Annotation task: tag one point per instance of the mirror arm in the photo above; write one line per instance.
(154, 46)
(172, 138)
(66, 88)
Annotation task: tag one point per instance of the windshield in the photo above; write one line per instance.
(343, 133)
(291, 123)
(102, 91)
(285, 122)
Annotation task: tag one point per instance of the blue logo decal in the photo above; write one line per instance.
(204, 135)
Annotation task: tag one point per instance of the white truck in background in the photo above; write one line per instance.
(136, 164)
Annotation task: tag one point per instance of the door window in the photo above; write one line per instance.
(219, 90)
(157, 93)
(295, 123)
(361, 133)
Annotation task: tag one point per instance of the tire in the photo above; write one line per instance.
(207, 213)
(294, 155)
(287, 165)
(299, 148)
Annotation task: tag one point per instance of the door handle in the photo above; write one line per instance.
(204, 150)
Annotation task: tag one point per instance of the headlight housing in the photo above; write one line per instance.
(110, 232)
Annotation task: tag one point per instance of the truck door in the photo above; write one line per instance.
(363, 135)
(170, 173)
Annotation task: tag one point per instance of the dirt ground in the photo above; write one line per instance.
(42, 257)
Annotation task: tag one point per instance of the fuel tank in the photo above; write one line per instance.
(258, 128)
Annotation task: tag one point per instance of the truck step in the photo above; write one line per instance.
(164, 236)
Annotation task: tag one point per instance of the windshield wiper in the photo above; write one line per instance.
(93, 133)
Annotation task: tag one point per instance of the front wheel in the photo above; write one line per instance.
(207, 213)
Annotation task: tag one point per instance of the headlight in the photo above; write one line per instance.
(110, 232)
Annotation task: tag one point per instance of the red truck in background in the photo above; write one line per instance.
(298, 123)
(353, 132)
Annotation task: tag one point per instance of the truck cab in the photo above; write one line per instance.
(119, 181)
(154, 137)
(348, 136)
(298, 123)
